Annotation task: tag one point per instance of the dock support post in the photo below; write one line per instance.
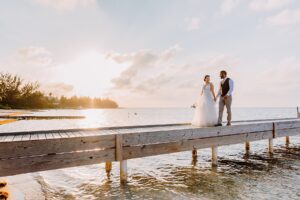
(194, 153)
(287, 140)
(270, 149)
(298, 113)
(123, 171)
(108, 167)
(194, 156)
(247, 148)
(214, 156)
(119, 157)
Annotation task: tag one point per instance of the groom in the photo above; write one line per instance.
(226, 89)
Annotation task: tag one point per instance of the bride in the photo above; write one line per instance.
(205, 112)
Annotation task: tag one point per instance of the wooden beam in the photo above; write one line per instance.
(13, 149)
(23, 165)
(287, 132)
(214, 156)
(119, 147)
(287, 124)
(133, 139)
(139, 151)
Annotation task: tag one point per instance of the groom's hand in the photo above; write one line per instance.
(225, 98)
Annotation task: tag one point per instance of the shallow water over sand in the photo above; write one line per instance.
(171, 176)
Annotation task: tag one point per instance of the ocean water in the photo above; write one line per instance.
(171, 176)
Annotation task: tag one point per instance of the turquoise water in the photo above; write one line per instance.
(169, 176)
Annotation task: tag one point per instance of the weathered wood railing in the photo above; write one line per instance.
(26, 152)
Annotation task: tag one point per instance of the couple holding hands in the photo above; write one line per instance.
(205, 107)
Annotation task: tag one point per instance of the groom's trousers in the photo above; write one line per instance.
(222, 104)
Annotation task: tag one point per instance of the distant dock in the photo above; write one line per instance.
(26, 152)
(32, 117)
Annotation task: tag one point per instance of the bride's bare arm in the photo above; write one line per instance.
(213, 91)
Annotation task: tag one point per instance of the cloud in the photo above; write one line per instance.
(170, 53)
(152, 85)
(286, 17)
(58, 89)
(139, 62)
(160, 82)
(35, 55)
(65, 4)
(192, 23)
(267, 5)
(31, 63)
(189, 75)
(227, 6)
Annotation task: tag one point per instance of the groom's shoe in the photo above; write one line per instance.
(228, 124)
(218, 125)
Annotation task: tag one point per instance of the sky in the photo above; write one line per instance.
(155, 53)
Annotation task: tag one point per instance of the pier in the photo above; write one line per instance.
(34, 117)
(27, 152)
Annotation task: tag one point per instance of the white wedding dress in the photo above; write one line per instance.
(205, 111)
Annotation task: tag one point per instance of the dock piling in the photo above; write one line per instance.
(108, 167)
(119, 157)
(270, 149)
(123, 171)
(287, 140)
(298, 113)
(194, 153)
(214, 156)
(194, 156)
(247, 147)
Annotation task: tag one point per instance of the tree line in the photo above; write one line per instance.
(17, 94)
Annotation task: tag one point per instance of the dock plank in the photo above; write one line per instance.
(40, 147)
(287, 124)
(130, 152)
(55, 161)
(132, 139)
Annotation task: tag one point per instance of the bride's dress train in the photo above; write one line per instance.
(205, 111)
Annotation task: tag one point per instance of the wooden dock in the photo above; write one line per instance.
(26, 152)
(34, 117)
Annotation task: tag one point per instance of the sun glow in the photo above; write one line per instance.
(90, 74)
